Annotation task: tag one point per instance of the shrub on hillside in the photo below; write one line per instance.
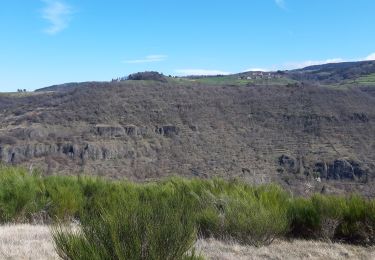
(150, 223)
(148, 75)
(253, 216)
(21, 195)
(317, 217)
(65, 197)
(223, 209)
(304, 218)
(358, 225)
(330, 210)
(350, 219)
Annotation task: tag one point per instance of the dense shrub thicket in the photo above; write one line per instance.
(350, 219)
(147, 75)
(162, 220)
(149, 223)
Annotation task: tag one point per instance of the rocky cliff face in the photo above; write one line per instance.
(307, 138)
(110, 143)
(339, 169)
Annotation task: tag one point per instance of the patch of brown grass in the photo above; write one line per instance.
(296, 249)
(35, 242)
(26, 242)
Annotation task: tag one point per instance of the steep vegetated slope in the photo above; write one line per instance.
(308, 137)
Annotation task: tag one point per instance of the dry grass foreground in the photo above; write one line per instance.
(297, 249)
(35, 242)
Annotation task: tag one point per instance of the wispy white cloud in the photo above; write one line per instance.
(370, 57)
(148, 59)
(201, 72)
(256, 69)
(281, 4)
(58, 14)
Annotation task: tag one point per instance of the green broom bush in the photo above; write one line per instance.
(150, 223)
(227, 210)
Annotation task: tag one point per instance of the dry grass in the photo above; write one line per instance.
(35, 242)
(297, 249)
(26, 242)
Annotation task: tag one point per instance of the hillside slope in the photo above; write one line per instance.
(336, 73)
(305, 137)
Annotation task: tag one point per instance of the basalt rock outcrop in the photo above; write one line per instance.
(342, 169)
(339, 169)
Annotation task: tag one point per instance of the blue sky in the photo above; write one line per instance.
(45, 42)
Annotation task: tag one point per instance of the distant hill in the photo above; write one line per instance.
(303, 133)
(346, 72)
(147, 75)
(334, 74)
(66, 86)
(339, 66)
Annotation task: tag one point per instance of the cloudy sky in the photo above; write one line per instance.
(45, 42)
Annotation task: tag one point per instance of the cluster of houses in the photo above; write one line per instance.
(260, 75)
(119, 79)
